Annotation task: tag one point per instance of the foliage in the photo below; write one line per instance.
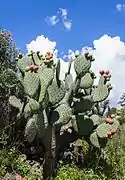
(11, 161)
(8, 52)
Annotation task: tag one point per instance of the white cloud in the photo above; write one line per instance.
(120, 7)
(61, 16)
(109, 53)
(53, 20)
(64, 16)
(67, 24)
(41, 44)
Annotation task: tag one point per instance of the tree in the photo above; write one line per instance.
(8, 53)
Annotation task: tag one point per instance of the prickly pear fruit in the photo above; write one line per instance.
(105, 75)
(31, 68)
(49, 55)
(101, 72)
(35, 68)
(109, 134)
(107, 72)
(112, 132)
(109, 120)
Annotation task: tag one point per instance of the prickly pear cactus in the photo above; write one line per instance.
(52, 103)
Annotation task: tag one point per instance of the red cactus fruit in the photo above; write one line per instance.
(101, 72)
(49, 55)
(107, 72)
(109, 134)
(110, 121)
(105, 75)
(112, 132)
(31, 67)
(35, 68)
(107, 120)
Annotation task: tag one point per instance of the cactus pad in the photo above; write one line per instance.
(31, 83)
(23, 62)
(100, 93)
(46, 76)
(68, 81)
(81, 65)
(34, 105)
(94, 140)
(56, 93)
(31, 129)
(83, 126)
(96, 119)
(85, 104)
(61, 115)
(27, 111)
(103, 129)
(115, 125)
(15, 102)
(37, 60)
(86, 81)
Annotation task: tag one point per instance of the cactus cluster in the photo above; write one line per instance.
(52, 103)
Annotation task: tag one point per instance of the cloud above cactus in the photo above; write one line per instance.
(120, 7)
(108, 51)
(42, 44)
(60, 16)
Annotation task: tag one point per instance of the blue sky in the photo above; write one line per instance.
(97, 23)
(90, 20)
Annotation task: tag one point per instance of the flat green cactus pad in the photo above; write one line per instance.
(103, 129)
(94, 140)
(9, 78)
(31, 129)
(68, 81)
(23, 62)
(83, 126)
(115, 124)
(46, 76)
(38, 61)
(27, 111)
(96, 119)
(86, 81)
(56, 93)
(81, 65)
(15, 102)
(34, 105)
(31, 83)
(100, 93)
(83, 105)
(61, 115)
